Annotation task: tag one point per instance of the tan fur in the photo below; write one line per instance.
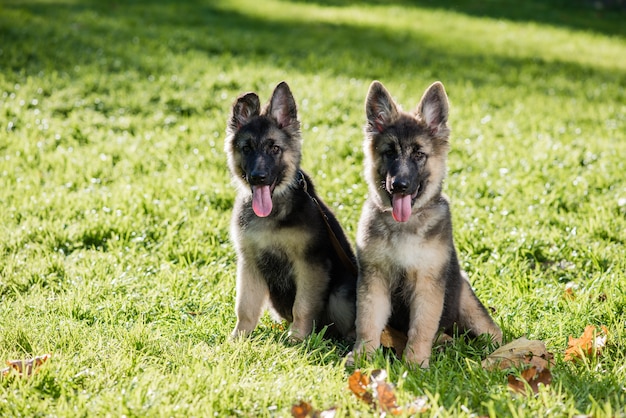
(472, 315)
(253, 292)
(410, 259)
(289, 244)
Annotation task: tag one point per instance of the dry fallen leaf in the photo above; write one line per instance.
(394, 339)
(590, 343)
(378, 394)
(278, 326)
(25, 368)
(568, 293)
(384, 393)
(523, 352)
(301, 410)
(358, 384)
(531, 377)
(305, 410)
(397, 340)
(386, 397)
(518, 353)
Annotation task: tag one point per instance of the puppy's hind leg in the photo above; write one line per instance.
(309, 304)
(474, 317)
(341, 310)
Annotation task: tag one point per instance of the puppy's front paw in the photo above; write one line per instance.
(349, 359)
(416, 361)
(358, 355)
(295, 336)
(238, 333)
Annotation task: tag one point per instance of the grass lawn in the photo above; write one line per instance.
(115, 197)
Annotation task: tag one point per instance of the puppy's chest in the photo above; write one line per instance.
(415, 252)
(293, 242)
(416, 246)
(280, 255)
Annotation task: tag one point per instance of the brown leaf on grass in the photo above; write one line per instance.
(384, 393)
(301, 410)
(518, 353)
(386, 398)
(397, 340)
(394, 339)
(358, 384)
(305, 410)
(568, 293)
(379, 394)
(278, 326)
(590, 343)
(25, 368)
(531, 377)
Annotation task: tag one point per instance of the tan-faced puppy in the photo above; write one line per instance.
(409, 274)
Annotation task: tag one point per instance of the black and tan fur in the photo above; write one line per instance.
(285, 259)
(409, 274)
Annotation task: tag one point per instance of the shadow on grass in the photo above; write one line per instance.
(604, 16)
(144, 36)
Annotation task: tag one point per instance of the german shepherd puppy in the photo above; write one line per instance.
(282, 231)
(409, 274)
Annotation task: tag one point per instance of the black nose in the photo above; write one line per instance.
(399, 186)
(257, 177)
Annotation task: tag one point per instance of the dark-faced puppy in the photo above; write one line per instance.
(409, 274)
(281, 229)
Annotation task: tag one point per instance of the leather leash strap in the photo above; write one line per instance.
(333, 238)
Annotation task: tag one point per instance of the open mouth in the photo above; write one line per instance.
(402, 204)
(262, 199)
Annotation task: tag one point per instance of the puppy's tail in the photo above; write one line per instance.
(341, 310)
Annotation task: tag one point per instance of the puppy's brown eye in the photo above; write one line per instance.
(275, 149)
(246, 149)
(389, 153)
(420, 156)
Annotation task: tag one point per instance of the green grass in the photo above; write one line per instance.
(115, 197)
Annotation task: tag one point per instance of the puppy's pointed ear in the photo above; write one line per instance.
(433, 108)
(245, 108)
(380, 108)
(282, 106)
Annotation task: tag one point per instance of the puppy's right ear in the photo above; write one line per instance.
(380, 108)
(245, 108)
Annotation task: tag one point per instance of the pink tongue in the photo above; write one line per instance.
(261, 200)
(401, 204)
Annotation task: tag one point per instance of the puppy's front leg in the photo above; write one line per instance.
(426, 309)
(373, 308)
(252, 293)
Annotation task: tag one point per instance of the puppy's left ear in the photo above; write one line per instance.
(282, 106)
(433, 108)
(245, 108)
(380, 109)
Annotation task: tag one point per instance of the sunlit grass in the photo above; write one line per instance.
(115, 198)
